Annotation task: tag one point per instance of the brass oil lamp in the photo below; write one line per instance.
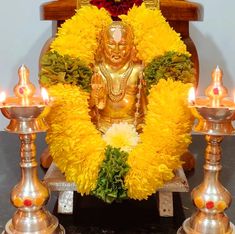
(30, 195)
(211, 199)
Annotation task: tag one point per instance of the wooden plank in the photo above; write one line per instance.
(56, 181)
(172, 10)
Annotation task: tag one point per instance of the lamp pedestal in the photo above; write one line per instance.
(215, 114)
(30, 196)
(210, 197)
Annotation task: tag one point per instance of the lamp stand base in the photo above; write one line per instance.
(186, 229)
(48, 228)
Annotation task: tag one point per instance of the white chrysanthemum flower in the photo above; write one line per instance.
(122, 135)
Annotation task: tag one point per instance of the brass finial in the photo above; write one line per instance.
(216, 90)
(24, 90)
(152, 4)
(81, 3)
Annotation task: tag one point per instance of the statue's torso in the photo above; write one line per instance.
(122, 97)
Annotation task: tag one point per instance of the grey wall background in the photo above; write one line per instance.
(22, 36)
(215, 41)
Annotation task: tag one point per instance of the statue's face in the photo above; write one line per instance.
(118, 44)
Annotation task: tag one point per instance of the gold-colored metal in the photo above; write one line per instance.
(216, 90)
(221, 124)
(117, 88)
(78, 4)
(210, 219)
(83, 3)
(24, 90)
(22, 121)
(210, 197)
(152, 4)
(30, 195)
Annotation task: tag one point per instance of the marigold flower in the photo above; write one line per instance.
(77, 37)
(70, 136)
(165, 137)
(122, 135)
(153, 35)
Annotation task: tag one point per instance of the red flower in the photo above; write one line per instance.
(116, 8)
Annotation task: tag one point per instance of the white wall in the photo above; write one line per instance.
(215, 41)
(22, 36)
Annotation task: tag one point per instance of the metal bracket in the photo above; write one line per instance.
(152, 4)
(65, 202)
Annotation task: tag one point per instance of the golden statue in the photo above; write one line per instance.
(118, 90)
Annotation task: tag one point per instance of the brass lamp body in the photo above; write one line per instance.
(30, 195)
(210, 197)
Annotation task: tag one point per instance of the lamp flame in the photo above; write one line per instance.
(191, 95)
(45, 95)
(2, 97)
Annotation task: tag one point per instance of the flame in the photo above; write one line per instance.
(191, 95)
(2, 97)
(45, 95)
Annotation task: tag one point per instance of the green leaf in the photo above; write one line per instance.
(110, 185)
(171, 65)
(56, 68)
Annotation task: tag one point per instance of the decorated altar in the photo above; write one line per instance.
(139, 54)
(118, 117)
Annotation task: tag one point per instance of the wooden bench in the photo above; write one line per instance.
(56, 182)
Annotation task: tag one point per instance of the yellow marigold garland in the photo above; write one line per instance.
(166, 136)
(153, 35)
(78, 36)
(71, 135)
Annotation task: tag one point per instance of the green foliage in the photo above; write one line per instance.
(110, 185)
(56, 68)
(172, 65)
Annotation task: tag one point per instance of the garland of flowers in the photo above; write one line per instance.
(110, 185)
(78, 36)
(117, 166)
(153, 35)
(166, 136)
(172, 65)
(65, 70)
(71, 135)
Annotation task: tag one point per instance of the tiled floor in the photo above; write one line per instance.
(93, 216)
